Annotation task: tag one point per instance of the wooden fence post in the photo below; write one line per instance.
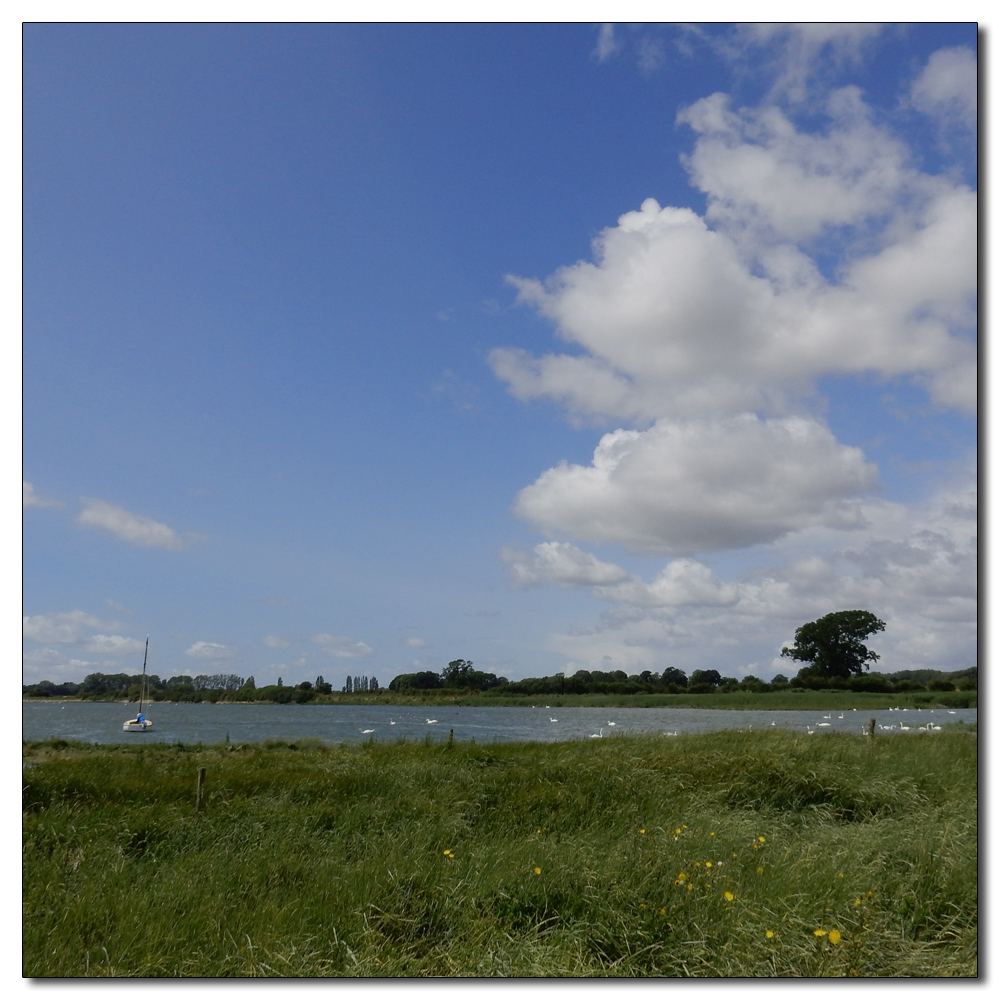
(870, 728)
(201, 787)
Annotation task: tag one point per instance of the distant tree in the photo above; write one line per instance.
(422, 680)
(712, 677)
(833, 644)
(349, 686)
(674, 676)
(250, 684)
(779, 679)
(457, 674)
(374, 684)
(281, 683)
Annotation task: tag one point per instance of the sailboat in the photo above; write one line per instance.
(140, 723)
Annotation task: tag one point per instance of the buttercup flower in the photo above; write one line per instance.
(834, 937)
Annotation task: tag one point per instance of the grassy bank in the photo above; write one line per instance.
(724, 854)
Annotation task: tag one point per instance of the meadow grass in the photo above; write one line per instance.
(721, 854)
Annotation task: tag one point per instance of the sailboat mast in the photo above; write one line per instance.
(142, 689)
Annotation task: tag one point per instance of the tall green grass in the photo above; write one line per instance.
(723, 854)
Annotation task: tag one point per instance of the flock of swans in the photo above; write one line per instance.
(810, 728)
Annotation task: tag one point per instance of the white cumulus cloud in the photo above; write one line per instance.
(702, 485)
(121, 523)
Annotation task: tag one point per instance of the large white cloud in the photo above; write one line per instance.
(680, 314)
(702, 485)
(822, 251)
(136, 529)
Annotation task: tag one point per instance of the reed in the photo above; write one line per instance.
(722, 854)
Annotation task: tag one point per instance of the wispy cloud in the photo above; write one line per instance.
(947, 87)
(211, 651)
(65, 627)
(607, 45)
(342, 646)
(29, 498)
(136, 529)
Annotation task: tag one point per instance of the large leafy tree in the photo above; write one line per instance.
(834, 644)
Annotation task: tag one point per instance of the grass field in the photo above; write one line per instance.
(722, 854)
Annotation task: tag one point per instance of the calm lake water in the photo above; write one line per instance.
(91, 722)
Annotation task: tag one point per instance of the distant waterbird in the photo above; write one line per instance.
(430, 722)
(367, 731)
(598, 736)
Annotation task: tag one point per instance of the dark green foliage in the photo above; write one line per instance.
(833, 644)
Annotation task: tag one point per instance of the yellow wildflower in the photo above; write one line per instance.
(834, 937)
(662, 910)
(708, 864)
(729, 897)
(761, 839)
(819, 932)
(712, 834)
(769, 934)
(642, 831)
(538, 871)
(760, 871)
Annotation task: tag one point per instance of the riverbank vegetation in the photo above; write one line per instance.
(460, 684)
(727, 854)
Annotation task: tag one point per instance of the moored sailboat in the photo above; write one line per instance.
(140, 723)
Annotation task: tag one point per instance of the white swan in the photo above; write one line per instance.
(367, 730)
(552, 720)
(598, 736)
(430, 722)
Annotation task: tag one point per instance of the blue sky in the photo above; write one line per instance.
(353, 349)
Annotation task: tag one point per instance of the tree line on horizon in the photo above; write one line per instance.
(99, 687)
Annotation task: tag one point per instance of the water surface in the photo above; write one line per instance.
(101, 722)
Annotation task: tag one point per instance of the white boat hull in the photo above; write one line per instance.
(136, 727)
